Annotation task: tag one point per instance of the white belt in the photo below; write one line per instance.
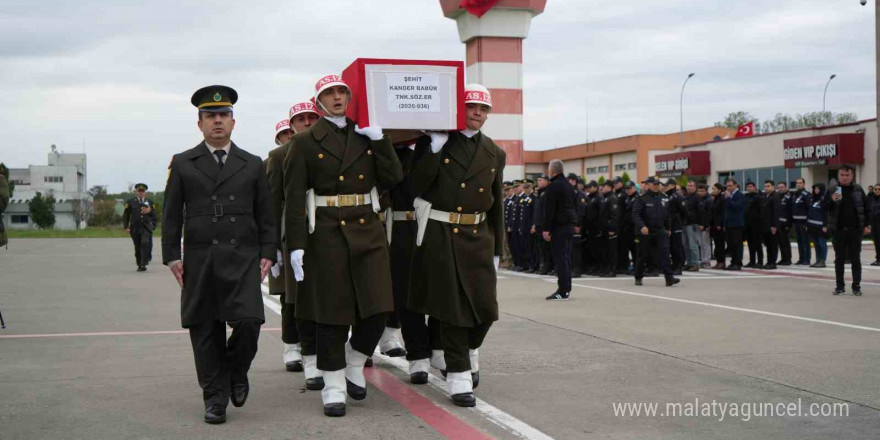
(457, 218)
(390, 216)
(313, 201)
(404, 216)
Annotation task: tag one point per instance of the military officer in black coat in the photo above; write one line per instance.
(217, 198)
(139, 219)
(609, 226)
(653, 229)
(527, 222)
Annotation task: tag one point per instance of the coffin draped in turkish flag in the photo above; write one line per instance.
(745, 130)
(478, 7)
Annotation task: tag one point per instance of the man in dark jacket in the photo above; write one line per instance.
(591, 249)
(771, 211)
(847, 220)
(678, 213)
(560, 220)
(817, 223)
(580, 255)
(218, 199)
(139, 219)
(754, 235)
(692, 221)
(609, 225)
(716, 225)
(545, 254)
(874, 201)
(800, 207)
(783, 236)
(653, 223)
(527, 241)
(626, 243)
(734, 222)
(706, 202)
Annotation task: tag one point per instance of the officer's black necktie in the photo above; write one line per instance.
(220, 154)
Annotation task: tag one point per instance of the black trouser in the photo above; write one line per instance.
(365, 335)
(625, 248)
(756, 252)
(143, 245)
(308, 334)
(718, 237)
(585, 244)
(677, 248)
(847, 244)
(656, 242)
(875, 235)
(578, 255)
(735, 245)
(289, 332)
(545, 253)
(772, 243)
(527, 244)
(783, 239)
(560, 241)
(418, 337)
(513, 244)
(220, 363)
(457, 341)
(610, 251)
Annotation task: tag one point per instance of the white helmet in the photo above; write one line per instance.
(302, 107)
(477, 94)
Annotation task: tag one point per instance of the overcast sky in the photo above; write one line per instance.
(119, 75)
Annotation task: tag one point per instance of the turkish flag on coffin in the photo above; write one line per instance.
(745, 130)
(478, 7)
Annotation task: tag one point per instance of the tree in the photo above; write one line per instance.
(601, 180)
(43, 211)
(785, 122)
(625, 177)
(736, 119)
(98, 192)
(80, 209)
(5, 171)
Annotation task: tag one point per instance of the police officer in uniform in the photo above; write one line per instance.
(513, 226)
(800, 208)
(653, 228)
(785, 217)
(754, 233)
(609, 225)
(591, 248)
(331, 174)
(626, 242)
(526, 224)
(139, 219)
(460, 238)
(299, 351)
(217, 198)
(545, 254)
(771, 212)
(678, 212)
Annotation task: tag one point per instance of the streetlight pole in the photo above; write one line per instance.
(681, 110)
(826, 92)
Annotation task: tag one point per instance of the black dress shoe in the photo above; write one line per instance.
(677, 272)
(857, 291)
(466, 400)
(418, 378)
(295, 366)
(239, 394)
(334, 409)
(354, 391)
(475, 378)
(638, 281)
(876, 263)
(608, 275)
(769, 267)
(142, 269)
(734, 267)
(395, 352)
(784, 263)
(819, 264)
(369, 362)
(839, 290)
(672, 281)
(315, 384)
(215, 414)
(751, 264)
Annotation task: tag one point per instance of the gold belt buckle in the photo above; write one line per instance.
(381, 216)
(468, 219)
(331, 201)
(454, 217)
(410, 215)
(346, 200)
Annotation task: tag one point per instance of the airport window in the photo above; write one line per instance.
(18, 219)
(591, 170)
(603, 169)
(53, 179)
(759, 175)
(631, 166)
(620, 167)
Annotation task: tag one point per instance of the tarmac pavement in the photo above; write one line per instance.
(94, 350)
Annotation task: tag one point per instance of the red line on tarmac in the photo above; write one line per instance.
(441, 420)
(73, 335)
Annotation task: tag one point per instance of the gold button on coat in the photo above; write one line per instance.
(361, 177)
(362, 221)
(320, 155)
(342, 223)
(341, 178)
(463, 185)
(455, 230)
(481, 190)
(458, 209)
(446, 160)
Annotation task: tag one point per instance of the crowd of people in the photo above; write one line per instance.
(687, 226)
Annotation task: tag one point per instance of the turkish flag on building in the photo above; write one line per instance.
(478, 7)
(746, 130)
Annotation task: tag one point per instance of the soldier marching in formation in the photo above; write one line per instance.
(139, 219)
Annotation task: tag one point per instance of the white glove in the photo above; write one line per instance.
(279, 263)
(296, 263)
(438, 139)
(497, 260)
(373, 132)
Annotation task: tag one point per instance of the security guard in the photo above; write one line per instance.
(678, 212)
(800, 208)
(545, 254)
(139, 219)
(332, 174)
(653, 228)
(592, 245)
(218, 196)
(527, 222)
(461, 232)
(626, 242)
(299, 347)
(609, 225)
(783, 235)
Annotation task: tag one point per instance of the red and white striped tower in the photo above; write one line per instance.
(494, 59)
